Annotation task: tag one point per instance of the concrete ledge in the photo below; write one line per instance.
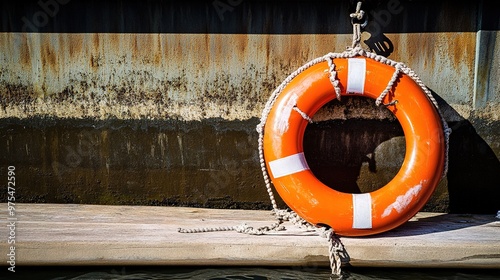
(70, 234)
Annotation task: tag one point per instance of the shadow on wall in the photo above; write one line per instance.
(337, 151)
(473, 170)
(340, 152)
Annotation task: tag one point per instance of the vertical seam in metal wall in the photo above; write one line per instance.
(476, 68)
(477, 54)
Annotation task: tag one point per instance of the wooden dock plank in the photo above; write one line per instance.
(70, 234)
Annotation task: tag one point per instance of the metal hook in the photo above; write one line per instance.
(394, 102)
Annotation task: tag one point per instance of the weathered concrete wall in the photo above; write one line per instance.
(121, 103)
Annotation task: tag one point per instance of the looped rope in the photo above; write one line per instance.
(359, 14)
(294, 218)
(389, 86)
(335, 247)
(356, 26)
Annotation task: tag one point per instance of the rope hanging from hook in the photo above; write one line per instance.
(356, 19)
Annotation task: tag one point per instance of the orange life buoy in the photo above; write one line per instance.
(354, 214)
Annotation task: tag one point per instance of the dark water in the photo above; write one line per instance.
(241, 273)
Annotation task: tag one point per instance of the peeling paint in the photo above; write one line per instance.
(403, 201)
(281, 126)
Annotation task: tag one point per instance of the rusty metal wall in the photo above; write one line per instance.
(182, 76)
(113, 66)
(196, 76)
(207, 67)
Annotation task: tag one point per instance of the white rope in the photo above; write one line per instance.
(356, 32)
(333, 78)
(394, 77)
(335, 248)
(243, 228)
(304, 115)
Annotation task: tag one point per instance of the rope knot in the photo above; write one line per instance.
(356, 26)
(358, 16)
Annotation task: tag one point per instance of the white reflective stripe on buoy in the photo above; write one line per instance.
(288, 165)
(356, 73)
(362, 208)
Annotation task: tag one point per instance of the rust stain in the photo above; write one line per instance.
(75, 45)
(443, 61)
(134, 48)
(196, 76)
(48, 55)
(25, 51)
(462, 47)
(207, 47)
(95, 51)
(94, 61)
(158, 50)
(241, 43)
(114, 40)
(96, 38)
